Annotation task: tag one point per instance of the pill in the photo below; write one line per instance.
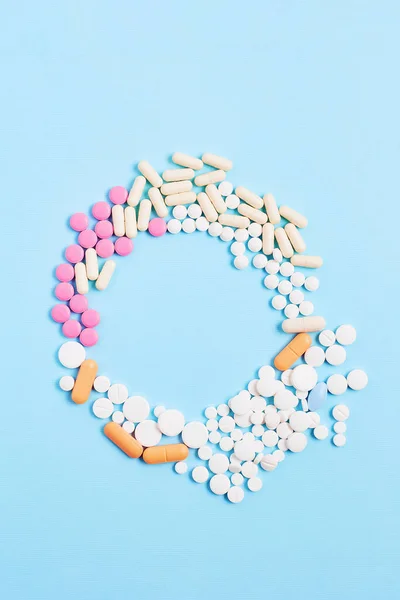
(136, 191)
(194, 211)
(215, 196)
(207, 207)
(200, 474)
(311, 283)
(195, 434)
(163, 454)
(341, 412)
(293, 216)
(249, 197)
(253, 214)
(71, 328)
(336, 384)
(218, 162)
(299, 421)
(64, 291)
(189, 225)
(297, 279)
(303, 324)
(105, 275)
(211, 177)
(178, 174)
(220, 484)
(66, 383)
(241, 262)
(81, 280)
(295, 238)
(327, 338)
(306, 308)
(314, 418)
(118, 194)
(71, 354)
(158, 202)
(181, 468)
(105, 248)
(234, 221)
(249, 469)
(84, 381)
(104, 229)
(286, 269)
(285, 288)
(268, 238)
(321, 432)
(158, 410)
(296, 442)
(226, 444)
(87, 238)
(180, 198)
(254, 484)
(176, 187)
(65, 272)
(174, 226)
(304, 378)
(335, 355)
(241, 235)
(90, 318)
(92, 265)
(118, 417)
(279, 302)
(339, 440)
(225, 188)
(346, 335)
(128, 427)
(227, 234)
(101, 384)
(315, 356)
(144, 215)
(130, 222)
(136, 409)
(123, 440)
(357, 379)
(283, 242)
(270, 438)
(60, 313)
(292, 351)
(101, 210)
(311, 262)
(218, 463)
(232, 201)
(103, 408)
(184, 160)
(235, 494)
(150, 173)
(291, 310)
(269, 462)
(255, 229)
(148, 434)
(271, 209)
(180, 212)
(118, 220)
(340, 427)
(171, 422)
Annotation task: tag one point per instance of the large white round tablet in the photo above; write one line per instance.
(118, 393)
(269, 462)
(291, 311)
(296, 297)
(254, 484)
(299, 421)
(241, 262)
(220, 484)
(148, 434)
(311, 283)
(235, 494)
(337, 384)
(249, 469)
(270, 438)
(202, 224)
(258, 403)
(102, 384)
(285, 399)
(335, 355)
(205, 452)
(215, 229)
(171, 422)
(240, 404)
(297, 279)
(194, 434)
(327, 338)
(194, 211)
(189, 225)
(71, 355)
(357, 379)
(267, 387)
(272, 419)
(211, 412)
(223, 410)
(266, 372)
(341, 412)
(286, 269)
(254, 244)
(321, 432)
(296, 442)
(315, 356)
(218, 463)
(260, 261)
(232, 202)
(103, 408)
(306, 308)
(136, 409)
(174, 226)
(284, 430)
(346, 334)
(226, 444)
(271, 282)
(244, 449)
(243, 420)
(200, 474)
(226, 424)
(304, 378)
(66, 383)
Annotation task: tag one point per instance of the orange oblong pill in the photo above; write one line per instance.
(123, 440)
(163, 454)
(84, 381)
(292, 352)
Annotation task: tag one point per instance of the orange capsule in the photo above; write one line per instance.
(84, 381)
(292, 352)
(163, 454)
(123, 440)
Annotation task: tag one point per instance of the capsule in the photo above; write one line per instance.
(184, 160)
(303, 324)
(283, 242)
(268, 238)
(252, 213)
(123, 440)
(118, 220)
(105, 275)
(293, 216)
(136, 190)
(295, 238)
(180, 198)
(81, 280)
(216, 198)
(311, 262)
(144, 215)
(272, 209)
(211, 177)
(218, 162)
(234, 221)
(163, 454)
(130, 222)
(249, 197)
(150, 173)
(178, 174)
(158, 202)
(207, 207)
(292, 352)
(176, 187)
(84, 381)
(92, 264)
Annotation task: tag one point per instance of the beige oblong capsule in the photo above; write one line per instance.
(295, 238)
(303, 324)
(178, 174)
(158, 202)
(184, 160)
(311, 262)
(234, 220)
(136, 190)
(207, 207)
(163, 454)
(252, 213)
(130, 222)
(84, 381)
(218, 162)
(272, 209)
(105, 275)
(92, 264)
(178, 199)
(293, 216)
(81, 280)
(118, 220)
(283, 242)
(176, 187)
(216, 198)
(150, 173)
(144, 215)
(211, 177)
(249, 197)
(268, 238)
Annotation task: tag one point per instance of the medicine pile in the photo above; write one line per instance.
(256, 428)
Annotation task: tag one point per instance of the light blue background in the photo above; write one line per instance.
(304, 97)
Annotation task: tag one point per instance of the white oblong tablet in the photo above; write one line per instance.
(304, 378)
(195, 434)
(335, 355)
(102, 384)
(71, 355)
(200, 474)
(66, 383)
(220, 484)
(235, 494)
(171, 422)
(147, 433)
(103, 408)
(357, 379)
(136, 409)
(296, 442)
(118, 393)
(336, 384)
(315, 356)
(218, 463)
(346, 335)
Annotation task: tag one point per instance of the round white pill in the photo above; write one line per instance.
(244, 449)
(282, 445)
(252, 387)
(215, 229)
(205, 452)
(340, 427)
(260, 261)
(128, 426)
(269, 462)
(237, 248)
(285, 287)
(212, 424)
(254, 229)
(189, 225)
(71, 355)
(235, 464)
(272, 420)
(284, 430)
(279, 302)
(174, 226)
(304, 378)
(181, 467)
(254, 244)
(277, 255)
(341, 412)
(235, 494)
(226, 444)
(214, 437)
(267, 387)
(200, 474)
(266, 372)
(271, 282)
(285, 399)
(357, 379)
(241, 403)
(241, 262)
(223, 410)
(257, 417)
(225, 188)
(243, 420)
(286, 269)
(257, 403)
(336, 384)
(102, 408)
(299, 421)
(232, 201)
(314, 419)
(220, 484)
(257, 430)
(118, 417)
(335, 355)
(237, 479)
(270, 438)
(320, 432)
(171, 422)
(236, 435)
(296, 442)
(226, 424)
(148, 433)
(66, 383)
(102, 384)
(118, 393)
(227, 234)
(194, 434)
(136, 409)
(272, 267)
(249, 469)
(311, 283)
(194, 211)
(339, 440)
(211, 412)
(327, 338)
(180, 212)
(306, 308)
(254, 484)
(297, 279)
(286, 377)
(296, 297)
(241, 235)
(346, 335)
(218, 463)
(315, 356)
(158, 410)
(279, 455)
(291, 311)
(202, 224)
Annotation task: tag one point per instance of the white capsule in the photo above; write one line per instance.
(130, 222)
(150, 173)
(92, 264)
(218, 162)
(180, 198)
(268, 238)
(249, 197)
(234, 221)
(136, 190)
(207, 207)
(118, 220)
(295, 238)
(144, 215)
(283, 242)
(211, 177)
(311, 262)
(158, 202)
(81, 280)
(293, 216)
(216, 198)
(105, 275)
(184, 160)
(176, 187)
(252, 213)
(178, 174)
(303, 324)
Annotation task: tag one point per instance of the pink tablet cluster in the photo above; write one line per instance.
(100, 237)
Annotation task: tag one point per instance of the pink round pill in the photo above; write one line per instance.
(78, 303)
(123, 246)
(101, 210)
(118, 194)
(88, 337)
(60, 313)
(105, 248)
(64, 291)
(74, 253)
(79, 221)
(157, 227)
(104, 229)
(87, 238)
(71, 328)
(90, 318)
(65, 272)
